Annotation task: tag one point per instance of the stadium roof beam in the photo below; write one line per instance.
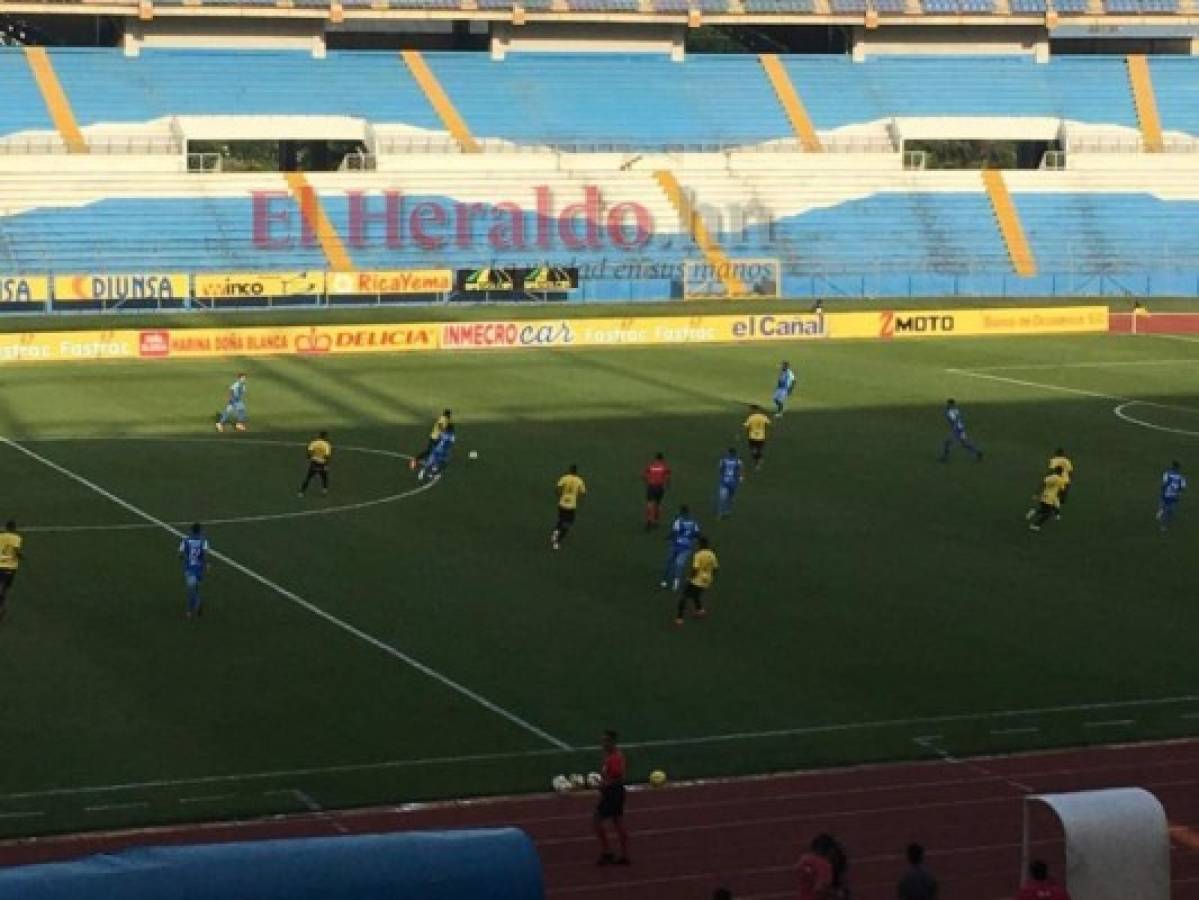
(1145, 99)
(55, 99)
(440, 101)
(1010, 226)
(318, 222)
(792, 105)
(694, 224)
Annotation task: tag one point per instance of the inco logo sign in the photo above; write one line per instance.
(891, 325)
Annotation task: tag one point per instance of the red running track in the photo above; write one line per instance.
(747, 833)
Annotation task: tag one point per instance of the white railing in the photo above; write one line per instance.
(357, 162)
(203, 162)
(108, 145)
(1128, 145)
(398, 146)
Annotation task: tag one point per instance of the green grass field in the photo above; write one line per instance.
(387, 644)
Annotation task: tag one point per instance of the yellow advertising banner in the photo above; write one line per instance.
(67, 346)
(117, 288)
(253, 285)
(408, 281)
(318, 340)
(24, 288)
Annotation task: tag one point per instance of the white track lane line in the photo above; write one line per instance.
(299, 601)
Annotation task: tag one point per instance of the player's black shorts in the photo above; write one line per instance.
(757, 446)
(315, 466)
(1063, 494)
(655, 493)
(611, 802)
(1048, 509)
(565, 516)
(692, 592)
(7, 577)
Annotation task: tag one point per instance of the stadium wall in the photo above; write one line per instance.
(499, 864)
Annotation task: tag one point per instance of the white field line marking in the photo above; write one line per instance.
(33, 814)
(932, 744)
(1121, 413)
(299, 601)
(350, 768)
(110, 807)
(1040, 385)
(1109, 723)
(1190, 715)
(1175, 337)
(1032, 729)
(313, 806)
(1083, 365)
(207, 798)
(234, 520)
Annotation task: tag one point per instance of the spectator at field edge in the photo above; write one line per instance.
(917, 883)
(815, 870)
(839, 890)
(1040, 886)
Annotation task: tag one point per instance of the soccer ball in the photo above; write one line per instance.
(561, 784)
(474, 454)
(578, 782)
(594, 780)
(657, 778)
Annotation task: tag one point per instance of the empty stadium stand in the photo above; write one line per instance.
(567, 100)
(792, 158)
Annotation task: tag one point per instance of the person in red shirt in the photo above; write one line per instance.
(1040, 886)
(656, 476)
(611, 803)
(815, 870)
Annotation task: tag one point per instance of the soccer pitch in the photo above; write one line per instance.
(392, 642)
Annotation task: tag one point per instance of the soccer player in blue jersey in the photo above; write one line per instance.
(1173, 484)
(193, 550)
(731, 471)
(438, 458)
(784, 387)
(683, 533)
(957, 432)
(235, 406)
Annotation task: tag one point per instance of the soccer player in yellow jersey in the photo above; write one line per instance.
(755, 429)
(1049, 501)
(1061, 461)
(320, 451)
(571, 489)
(10, 560)
(440, 424)
(703, 572)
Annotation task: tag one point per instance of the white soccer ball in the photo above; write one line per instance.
(578, 782)
(594, 780)
(561, 784)
(474, 454)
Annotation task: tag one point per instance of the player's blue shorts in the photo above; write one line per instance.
(728, 488)
(1170, 502)
(192, 578)
(780, 396)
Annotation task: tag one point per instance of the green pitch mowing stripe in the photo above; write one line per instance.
(298, 600)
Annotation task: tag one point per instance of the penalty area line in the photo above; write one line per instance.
(297, 600)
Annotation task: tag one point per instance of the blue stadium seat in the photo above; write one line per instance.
(1030, 7)
(779, 6)
(105, 86)
(636, 101)
(848, 6)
